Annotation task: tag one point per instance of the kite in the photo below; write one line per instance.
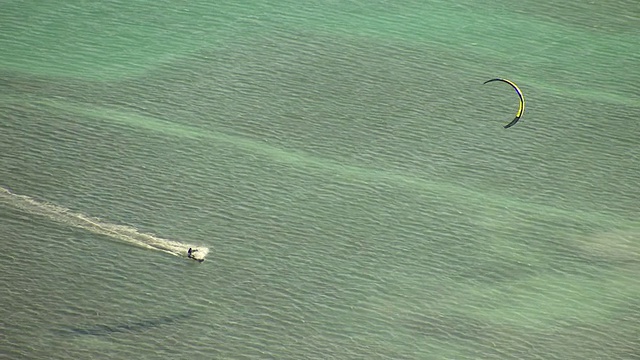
(520, 108)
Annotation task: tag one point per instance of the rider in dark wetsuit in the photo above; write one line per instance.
(190, 253)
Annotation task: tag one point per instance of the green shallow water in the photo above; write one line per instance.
(344, 165)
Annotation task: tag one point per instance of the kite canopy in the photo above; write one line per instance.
(520, 108)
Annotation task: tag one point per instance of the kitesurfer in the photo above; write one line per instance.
(190, 254)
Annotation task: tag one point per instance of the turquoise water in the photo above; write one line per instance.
(343, 164)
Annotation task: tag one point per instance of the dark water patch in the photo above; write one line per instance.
(124, 327)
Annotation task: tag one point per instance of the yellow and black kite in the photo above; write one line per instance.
(520, 108)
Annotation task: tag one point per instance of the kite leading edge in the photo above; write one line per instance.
(520, 108)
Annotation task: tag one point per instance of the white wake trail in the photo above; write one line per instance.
(124, 233)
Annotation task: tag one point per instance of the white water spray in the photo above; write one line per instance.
(124, 233)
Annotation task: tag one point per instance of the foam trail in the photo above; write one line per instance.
(124, 233)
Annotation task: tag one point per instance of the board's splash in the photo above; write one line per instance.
(124, 233)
